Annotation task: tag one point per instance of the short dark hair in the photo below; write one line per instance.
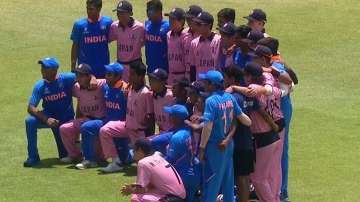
(271, 43)
(95, 3)
(139, 67)
(183, 83)
(234, 71)
(144, 145)
(228, 14)
(155, 4)
(243, 31)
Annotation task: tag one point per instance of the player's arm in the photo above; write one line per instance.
(205, 134)
(229, 136)
(78, 113)
(74, 55)
(269, 120)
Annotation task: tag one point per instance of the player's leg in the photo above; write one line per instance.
(161, 141)
(146, 197)
(261, 176)
(112, 137)
(286, 108)
(276, 168)
(228, 179)
(69, 133)
(212, 172)
(243, 166)
(32, 124)
(59, 144)
(89, 133)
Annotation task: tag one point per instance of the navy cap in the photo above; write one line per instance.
(257, 14)
(193, 11)
(255, 36)
(243, 31)
(83, 69)
(263, 51)
(204, 18)
(254, 69)
(159, 74)
(228, 28)
(177, 110)
(49, 63)
(124, 6)
(115, 67)
(215, 77)
(177, 13)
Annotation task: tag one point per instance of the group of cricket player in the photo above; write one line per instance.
(205, 114)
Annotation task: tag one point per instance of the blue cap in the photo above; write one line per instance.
(215, 77)
(115, 67)
(49, 63)
(177, 110)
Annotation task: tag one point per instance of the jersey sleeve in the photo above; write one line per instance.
(237, 108)
(76, 33)
(209, 112)
(192, 53)
(143, 175)
(69, 77)
(35, 97)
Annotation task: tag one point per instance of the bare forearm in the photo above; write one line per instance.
(74, 54)
(205, 135)
(37, 113)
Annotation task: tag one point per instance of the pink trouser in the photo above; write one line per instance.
(147, 197)
(173, 78)
(70, 133)
(264, 170)
(277, 177)
(116, 129)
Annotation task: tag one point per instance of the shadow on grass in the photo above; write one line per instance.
(128, 171)
(48, 163)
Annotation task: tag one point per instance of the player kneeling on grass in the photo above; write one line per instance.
(157, 179)
(180, 152)
(91, 109)
(55, 92)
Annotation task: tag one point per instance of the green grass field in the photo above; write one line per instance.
(319, 38)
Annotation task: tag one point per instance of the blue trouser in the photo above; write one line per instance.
(191, 182)
(218, 173)
(123, 150)
(32, 125)
(286, 108)
(89, 132)
(161, 141)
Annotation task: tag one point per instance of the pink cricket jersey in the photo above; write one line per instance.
(176, 52)
(162, 119)
(155, 172)
(188, 37)
(130, 40)
(91, 102)
(206, 53)
(139, 104)
(271, 104)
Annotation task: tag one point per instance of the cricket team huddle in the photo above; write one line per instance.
(212, 125)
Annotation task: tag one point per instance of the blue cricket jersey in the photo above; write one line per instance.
(220, 108)
(93, 40)
(115, 102)
(56, 96)
(180, 153)
(156, 45)
(243, 136)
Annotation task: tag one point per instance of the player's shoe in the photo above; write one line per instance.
(285, 199)
(86, 164)
(113, 167)
(30, 162)
(67, 160)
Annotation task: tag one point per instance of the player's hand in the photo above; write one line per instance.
(93, 83)
(126, 189)
(252, 92)
(229, 89)
(223, 144)
(275, 127)
(195, 118)
(52, 123)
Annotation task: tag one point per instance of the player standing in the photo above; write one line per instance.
(256, 20)
(90, 39)
(175, 42)
(155, 37)
(221, 110)
(225, 15)
(205, 50)
(129, 34)
(55, 91)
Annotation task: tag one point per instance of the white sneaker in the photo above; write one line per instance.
(86, 164)
(113, 167)
(67, 160)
